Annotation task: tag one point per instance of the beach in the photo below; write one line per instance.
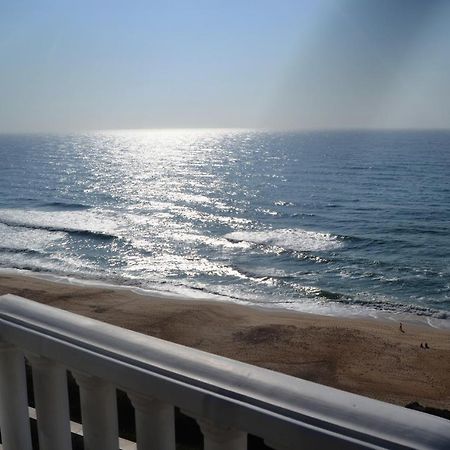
(367, 356)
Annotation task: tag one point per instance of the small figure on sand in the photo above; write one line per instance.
(426, 345)
(401, 328)
(421, 345)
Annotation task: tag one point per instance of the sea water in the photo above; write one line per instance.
(315, 221)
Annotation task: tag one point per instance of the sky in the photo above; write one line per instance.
(282, 64)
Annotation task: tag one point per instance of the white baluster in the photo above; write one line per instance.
(52, 403)
(217, 437)
(155, 423)
(14, 419)
(98, 413)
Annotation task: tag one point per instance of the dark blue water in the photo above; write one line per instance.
(310, 221)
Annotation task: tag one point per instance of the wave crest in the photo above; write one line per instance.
(288, 239)
(71, 222)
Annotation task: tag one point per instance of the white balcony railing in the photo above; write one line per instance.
(227, 398)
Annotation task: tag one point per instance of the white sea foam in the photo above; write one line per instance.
(61, 221)
(289, 239)
(26, 239)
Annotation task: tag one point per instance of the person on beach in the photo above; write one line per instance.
(401, 328)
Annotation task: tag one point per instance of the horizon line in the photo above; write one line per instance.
(249, 129)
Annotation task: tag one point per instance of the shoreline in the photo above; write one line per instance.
(367, 356)
(332, 309)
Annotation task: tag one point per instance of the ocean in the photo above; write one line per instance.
(345, 222)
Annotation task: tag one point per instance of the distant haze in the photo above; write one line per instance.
(300, 64)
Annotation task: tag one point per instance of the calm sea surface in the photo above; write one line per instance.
(326, 222)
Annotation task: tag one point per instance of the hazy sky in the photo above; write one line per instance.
(300, 64)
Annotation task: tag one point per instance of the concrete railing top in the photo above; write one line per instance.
(277, 407)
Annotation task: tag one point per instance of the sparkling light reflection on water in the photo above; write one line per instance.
(357, 219)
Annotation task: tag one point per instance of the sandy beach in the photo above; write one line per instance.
(371, 357)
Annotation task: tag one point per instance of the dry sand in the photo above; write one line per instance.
(371, 357)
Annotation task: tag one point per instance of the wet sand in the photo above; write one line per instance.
(371, 357)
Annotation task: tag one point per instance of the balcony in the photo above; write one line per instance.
(228, 399)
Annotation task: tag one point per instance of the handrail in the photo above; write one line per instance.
(281, 409)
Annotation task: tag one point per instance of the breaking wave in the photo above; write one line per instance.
(71, 222)
(288, 239)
